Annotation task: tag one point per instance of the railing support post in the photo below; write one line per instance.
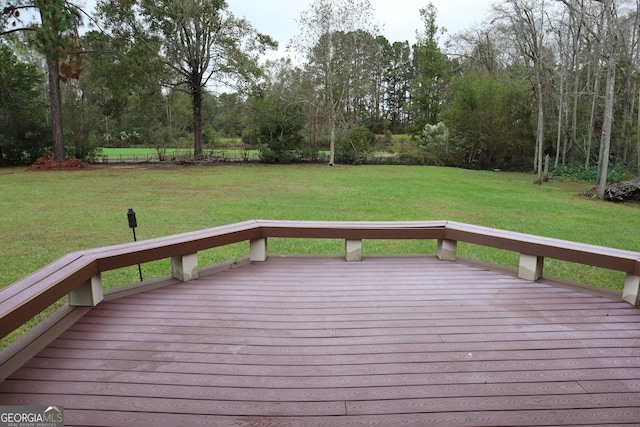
(258, 249)
(88, 294)
(631, 292)
(530, 267)
(185, 267)
(353, 250)
(447, 250)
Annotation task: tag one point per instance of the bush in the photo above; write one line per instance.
(26, 149)
(24, 132)
(354, 148)
(281, 156)
(616, 173)
(435, 142)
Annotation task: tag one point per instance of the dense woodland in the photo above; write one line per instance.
(537, 78)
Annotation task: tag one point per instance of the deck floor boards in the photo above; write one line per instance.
(322, 342)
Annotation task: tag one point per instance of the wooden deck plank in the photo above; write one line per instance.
(598, 345)
(374, 313)
(303, 371)
(453, 333)
(235, 356)
(178, 405)
(292, 394)
(407, 319)
(322, 342)
(609, 401)
(322, 382)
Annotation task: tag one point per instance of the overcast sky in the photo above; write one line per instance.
(398, 19)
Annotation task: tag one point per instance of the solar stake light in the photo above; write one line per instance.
(133, 223)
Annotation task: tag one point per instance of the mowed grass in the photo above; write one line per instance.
(46, 215)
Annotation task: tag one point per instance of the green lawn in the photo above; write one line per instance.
(48, 214)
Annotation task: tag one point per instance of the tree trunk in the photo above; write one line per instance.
(638, 151)
(53, 67)
(540, 131)
(574, 117)
(545, 178)
(605, 141)
(196, 93)
(332, 137)
(592, 119)
(627, 116)
(560, 114)
(333, 114)
(596, 88)
(50, 47)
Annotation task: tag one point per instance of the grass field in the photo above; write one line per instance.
(46, 215)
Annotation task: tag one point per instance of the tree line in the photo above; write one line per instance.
(537, 78)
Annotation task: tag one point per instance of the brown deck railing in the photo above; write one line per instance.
(78, 274)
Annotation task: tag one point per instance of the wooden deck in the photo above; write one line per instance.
(323, 342)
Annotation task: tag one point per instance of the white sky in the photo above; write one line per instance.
(398, 19)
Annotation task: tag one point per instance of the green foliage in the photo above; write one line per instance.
(82, 120)
(24, 134)
(275, 126)
(435, 141)
(200, 41)
(397, 77)
(489, 120)
(277, 154)
(354, 147)
(119, 100)
(433, 70)
(275, 118)
(616, 173)
(55, 38)
(229, 115)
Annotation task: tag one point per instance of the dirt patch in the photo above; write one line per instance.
(48, 164)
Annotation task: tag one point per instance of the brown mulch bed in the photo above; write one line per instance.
(48, 164)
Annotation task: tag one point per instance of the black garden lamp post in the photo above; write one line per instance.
(133, 223)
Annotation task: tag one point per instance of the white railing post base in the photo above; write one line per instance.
(258, 250)
(353, 250)
(447, 250)
(631, 292)
(185, 267)
(88, 294)
(530, 267)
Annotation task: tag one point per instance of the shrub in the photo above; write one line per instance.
(282, 156)
(354, 148)
(615, 173)
(24, 132)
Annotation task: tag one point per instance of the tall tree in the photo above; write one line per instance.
(609, 42)
(432, 70)
(525, 21)
(275, 119)
(610, 52)
(201, 41)
(398, 75)
(56, 37)
(324, 26)
(121, 80)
